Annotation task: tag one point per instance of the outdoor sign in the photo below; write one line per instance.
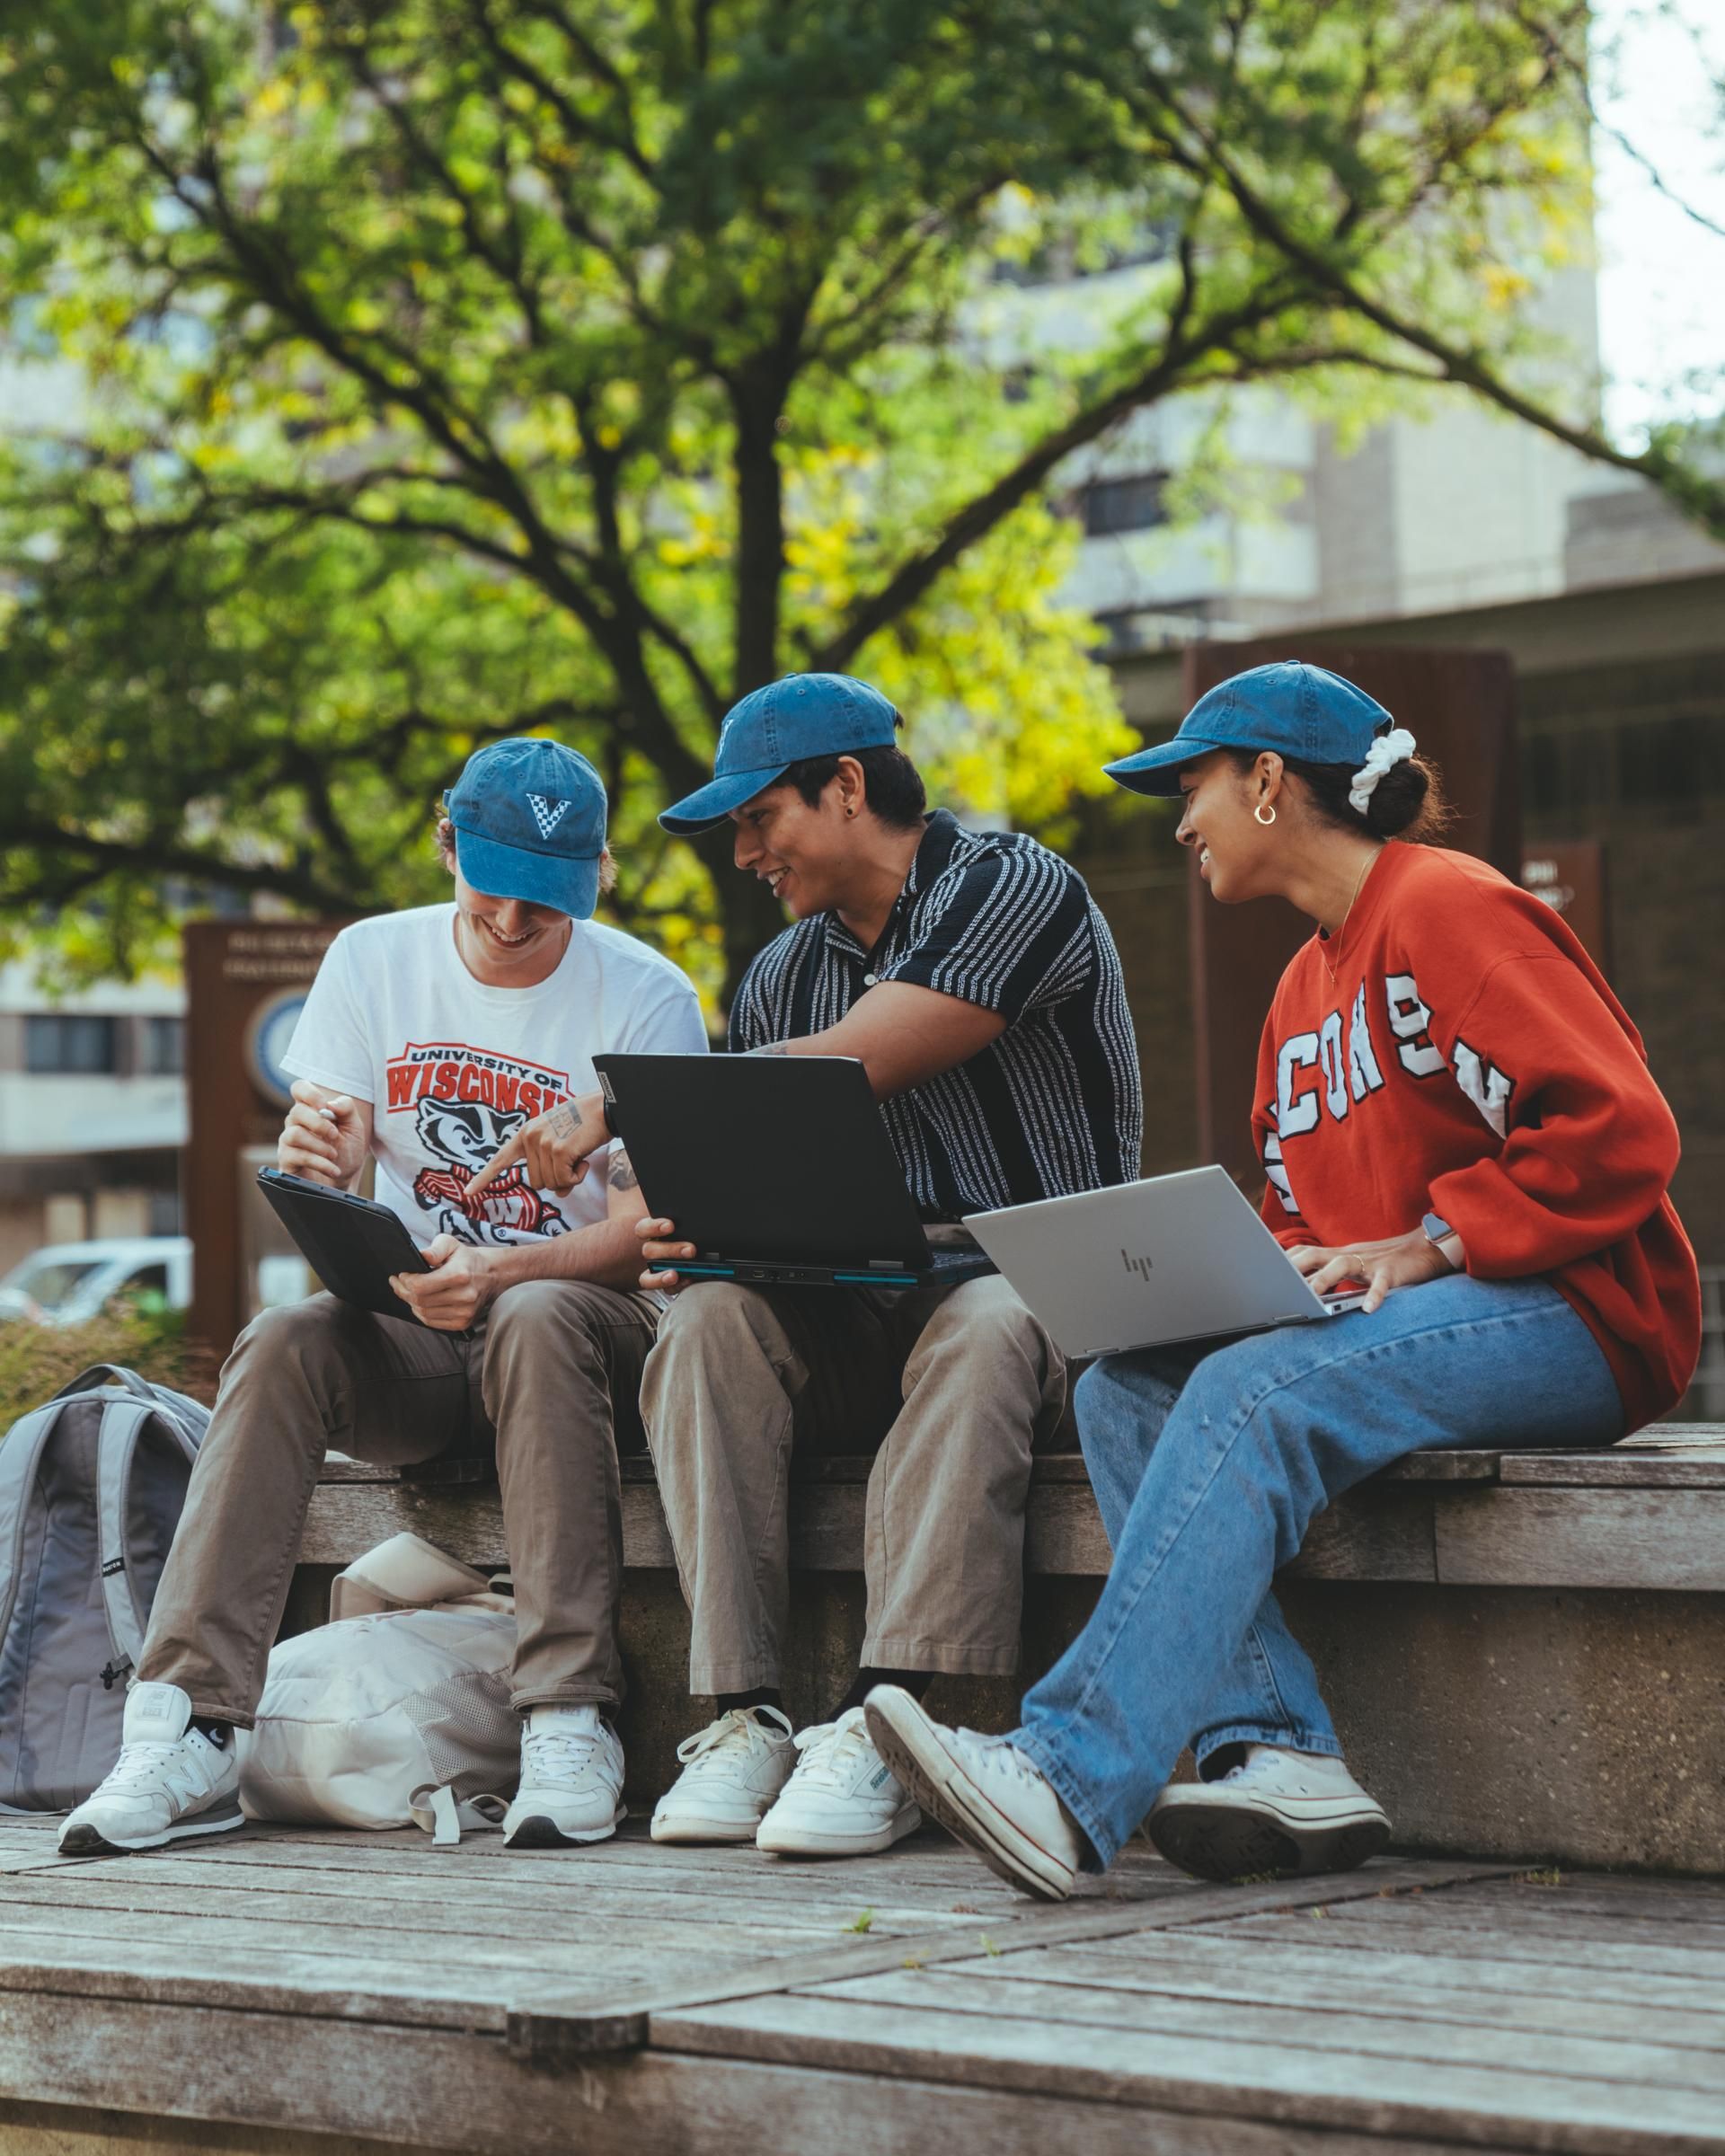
(1570, 875)
(246, 983)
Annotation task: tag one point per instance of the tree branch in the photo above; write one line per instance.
(159, 857)
(516, 65)
(1703, 498)
(980, 515)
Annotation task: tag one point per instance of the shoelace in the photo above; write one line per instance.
(146, 1766)
(999, 1757)
(735, 1727)
(556, 1754)
(1270, 1765)
(826, 1751)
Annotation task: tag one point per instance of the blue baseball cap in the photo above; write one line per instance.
(529, 821)
(774, 728)
(1296, 709)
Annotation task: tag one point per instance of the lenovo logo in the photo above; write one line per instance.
(1140, 1265)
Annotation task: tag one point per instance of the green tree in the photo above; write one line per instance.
(458, 368)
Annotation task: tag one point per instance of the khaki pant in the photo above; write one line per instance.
(550, 1377)
(954, 1387)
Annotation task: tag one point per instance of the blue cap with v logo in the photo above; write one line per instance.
(529, 822)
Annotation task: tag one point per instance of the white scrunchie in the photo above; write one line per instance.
(1387, 751)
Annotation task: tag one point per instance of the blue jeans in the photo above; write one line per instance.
(1208, 1468)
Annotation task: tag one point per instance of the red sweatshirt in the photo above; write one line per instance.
(1467, 1058)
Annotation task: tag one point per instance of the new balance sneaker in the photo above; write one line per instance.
(571, 1780)
(1278, 1811)
(984, 1790)
(733, 1772)
(842, 1800)
(170, 1781)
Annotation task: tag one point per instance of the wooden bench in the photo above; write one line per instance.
(1647, 1513)
(1524, 1652)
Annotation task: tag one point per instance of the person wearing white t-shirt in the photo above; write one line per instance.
(430, 1036)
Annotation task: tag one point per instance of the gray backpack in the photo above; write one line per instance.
(91, 1486)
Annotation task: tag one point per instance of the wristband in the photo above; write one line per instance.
(1436, 1232)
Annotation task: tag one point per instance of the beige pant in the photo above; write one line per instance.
(953, 1385)
(551, 1378)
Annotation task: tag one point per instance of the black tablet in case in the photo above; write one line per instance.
(353, 1244)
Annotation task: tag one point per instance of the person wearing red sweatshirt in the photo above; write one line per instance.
(1454, 1111)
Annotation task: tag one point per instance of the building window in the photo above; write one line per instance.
(165, 1047)
(69, 1041)
(1123, 505)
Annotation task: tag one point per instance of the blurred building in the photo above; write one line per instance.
(1440, 509)
(93, 1112)
(1452, 526)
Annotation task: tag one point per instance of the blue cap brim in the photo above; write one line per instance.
(712, 803)
(566, 881)
(1156, 771)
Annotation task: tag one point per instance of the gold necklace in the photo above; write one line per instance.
(1365, 868)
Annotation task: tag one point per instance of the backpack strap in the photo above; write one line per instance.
(116, 1447)
(21, 1457)
(100, 1375)
(188, 1418)
(443, 1815)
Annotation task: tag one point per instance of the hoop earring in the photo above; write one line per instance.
(1258, 815)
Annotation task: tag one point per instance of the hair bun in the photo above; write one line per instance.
(1398, 798)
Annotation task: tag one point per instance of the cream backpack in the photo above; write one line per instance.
(395, 1713)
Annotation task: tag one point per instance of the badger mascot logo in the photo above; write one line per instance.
(464, 1135)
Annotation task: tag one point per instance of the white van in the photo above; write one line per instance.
(69, 1282)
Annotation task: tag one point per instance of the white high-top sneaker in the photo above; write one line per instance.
(571, 1780)
(843, 1800)
(1280, 1811)
(983, 1789)
(733, 1772)
(169, 1783)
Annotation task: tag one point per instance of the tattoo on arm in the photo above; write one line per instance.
(621, 1172)
(564, 1121)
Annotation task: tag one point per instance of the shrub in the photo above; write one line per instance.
(37, 1360)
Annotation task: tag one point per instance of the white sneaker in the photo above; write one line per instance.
(1280, 1811)
(169, 1783)
(571, 1780)
(733, 1772)
(984, 1790)
(843, 1800)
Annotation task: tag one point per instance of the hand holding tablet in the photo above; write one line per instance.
(356, 1246)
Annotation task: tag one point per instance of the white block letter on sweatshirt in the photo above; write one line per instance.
(1487, 1088)
(1408, 1019)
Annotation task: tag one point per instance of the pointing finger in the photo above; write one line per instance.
(506, 1156)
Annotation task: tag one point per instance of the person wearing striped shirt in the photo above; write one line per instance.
(975, 979)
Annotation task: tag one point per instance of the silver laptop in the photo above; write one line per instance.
(1173, 1257)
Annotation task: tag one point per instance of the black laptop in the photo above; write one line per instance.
(779, 1170)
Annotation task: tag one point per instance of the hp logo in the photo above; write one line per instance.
(1140, 1265)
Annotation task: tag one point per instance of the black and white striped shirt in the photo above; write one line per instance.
(1053, 1103)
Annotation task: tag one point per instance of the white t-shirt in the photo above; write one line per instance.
(452, 1068)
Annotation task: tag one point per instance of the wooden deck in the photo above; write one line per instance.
(276, 1984)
